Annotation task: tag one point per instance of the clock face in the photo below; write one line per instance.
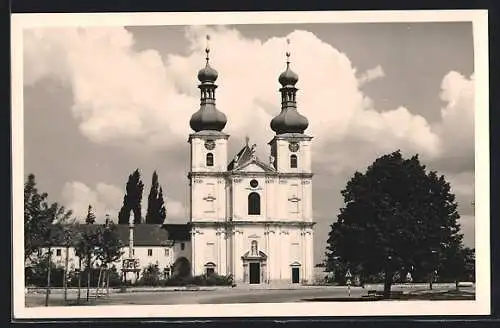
(293, 146)
(209, 144)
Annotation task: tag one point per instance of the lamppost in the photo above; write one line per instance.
(433, 268)
(388, 277)
(348, 277)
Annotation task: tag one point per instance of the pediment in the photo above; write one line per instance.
(248, 256)
(255, 166)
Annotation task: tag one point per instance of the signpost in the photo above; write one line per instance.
(348, 276)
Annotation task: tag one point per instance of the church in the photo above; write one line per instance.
(250, 217)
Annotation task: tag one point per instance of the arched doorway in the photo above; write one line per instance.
(182, 267)
(210, 269)
(254, 265)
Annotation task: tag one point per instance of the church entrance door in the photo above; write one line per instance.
(295, 275)
(254, 273)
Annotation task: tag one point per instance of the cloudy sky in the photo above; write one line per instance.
(101, 102)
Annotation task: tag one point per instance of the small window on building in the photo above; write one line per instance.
(58, 252)
(150, 252)
(183, 246)
(167, 252)
(210, 159)
(133, 251)
(293, 161)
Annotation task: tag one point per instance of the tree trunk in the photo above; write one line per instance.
(49, 269)
(98, 283)
(79, 280)
(107, 281)
(387, 283)
(65, 278)
(88, 278)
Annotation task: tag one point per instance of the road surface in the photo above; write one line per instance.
(218, 296)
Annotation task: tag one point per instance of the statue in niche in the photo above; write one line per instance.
(253, 250)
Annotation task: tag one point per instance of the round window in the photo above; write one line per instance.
(254, 183)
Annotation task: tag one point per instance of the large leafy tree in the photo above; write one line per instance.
(397, 218)
(39, 217)
(40, 231)
(132, 199)
(156, 212)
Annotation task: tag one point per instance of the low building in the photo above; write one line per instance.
(153, 244)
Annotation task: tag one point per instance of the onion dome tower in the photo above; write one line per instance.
(208, 117)
(289, 120)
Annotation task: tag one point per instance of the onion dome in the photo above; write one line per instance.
(208, 117)
(289, 120)
(207, 74)
(288, 77)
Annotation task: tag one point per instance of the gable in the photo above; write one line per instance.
(255, 166)
(252, 168)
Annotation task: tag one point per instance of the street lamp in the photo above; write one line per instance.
(388, 277)
(433, 268)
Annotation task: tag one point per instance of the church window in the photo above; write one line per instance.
(58, 252)
(254, 183)
(293, 161)
(210, 159)
(167, 252)
(183, 246)
(254, 203)
(150, 252)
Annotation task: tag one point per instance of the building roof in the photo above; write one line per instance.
(144, 234)
(241, 157)
(245, 157)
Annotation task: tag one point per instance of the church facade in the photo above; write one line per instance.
(251, 218)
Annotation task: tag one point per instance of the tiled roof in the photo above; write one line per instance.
(144, 234)
(178, 232)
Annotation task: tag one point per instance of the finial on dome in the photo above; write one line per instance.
(288, 52)
(288, 77)
(207, 48)
(207, 74)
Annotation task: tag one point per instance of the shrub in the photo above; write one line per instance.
(114, 278)
(36, 275)
(150, 276)
(201, 280)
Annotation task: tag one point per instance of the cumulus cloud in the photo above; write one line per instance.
(456, 128)
(104, 199)
(371, 74)
(108, 199)
(122, 95)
